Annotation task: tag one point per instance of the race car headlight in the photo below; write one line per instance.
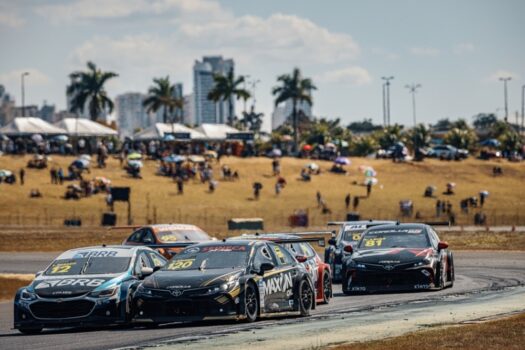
(27, 295)
(361, 266)
(144, 290)
(424, 262)
(229, 285)
(106, 293)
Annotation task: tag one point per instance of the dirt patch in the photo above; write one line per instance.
(508, 333)
(10, 283)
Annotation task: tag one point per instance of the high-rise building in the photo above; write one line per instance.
(284, 111)
(47, 112)
(189, 110)
(131, 115)
(178, 94)
(7, 106)
(207, 111)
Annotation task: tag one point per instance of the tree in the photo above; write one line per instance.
(252, 120)
(510, 141)
(363, 126)
(162, 95)
(87, 88)
(389, 136)
(226, 88)
(364, 146)
(483, 121)
(461, 138)
(419, 136)
(443, 125)
(296, 88)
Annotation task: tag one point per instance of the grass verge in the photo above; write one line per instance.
(10, 283)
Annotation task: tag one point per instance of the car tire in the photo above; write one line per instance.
(306, 298)
(30, 331)
(451, 275)
(251, 303)
(441, 277)
(327, 288)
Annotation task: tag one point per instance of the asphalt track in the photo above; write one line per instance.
(477, 272)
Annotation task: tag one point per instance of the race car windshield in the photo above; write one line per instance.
(400, 238)
(88, 266)
(182, 235)
(352, 235)
(207, 258)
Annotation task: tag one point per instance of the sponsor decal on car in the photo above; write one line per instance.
(83, 282)
(223, 248)
(422, 286)
(95, 254)
(279, 283)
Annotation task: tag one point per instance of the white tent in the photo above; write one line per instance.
(84, 127)
(159, 130)
(21, 126)
(216, 131)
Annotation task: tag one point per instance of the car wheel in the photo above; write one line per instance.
(451, 273)
(30, 331)
(441, 277)
(251, 303)
(327, 288)
(306, 298)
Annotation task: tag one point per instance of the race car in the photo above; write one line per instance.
(300, 247)
(349, 234)
(83, 287)
(168, 239)
(239, 279)
(400, 257)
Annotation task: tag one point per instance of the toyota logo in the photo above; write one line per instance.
(177, 293)
(388, 267)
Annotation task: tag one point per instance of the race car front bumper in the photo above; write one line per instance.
(359, 281)
(67, 312)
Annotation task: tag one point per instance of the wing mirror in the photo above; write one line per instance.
(348, 249)
(146, 271)
(39, 273)
(332, 241)
(267, 266)
(301, 258)
(442, 245)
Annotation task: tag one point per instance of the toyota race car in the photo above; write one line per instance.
(349, 234)
(168, 239)
(238, 279)
(401, 257)
(84, 286)
(298, 244)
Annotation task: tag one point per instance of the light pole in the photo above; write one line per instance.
(384, 105)
(505, 80)
(413, 89)
(387, 101)
(23, 93)
(523, 108)
(244, 81)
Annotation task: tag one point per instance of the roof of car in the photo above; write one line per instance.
(265, 236)
(121, 251)
(399, 226)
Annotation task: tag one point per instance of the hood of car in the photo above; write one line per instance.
(189, 278)
(391, 256)
(70, 286)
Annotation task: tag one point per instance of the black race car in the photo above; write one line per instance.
(239, 279)
(90, 286)
(349, 234)
(400, 257)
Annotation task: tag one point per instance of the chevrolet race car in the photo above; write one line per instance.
(401, 257)
(349, 234)
(300, 247)
(238, 279)
(168, 239)
(84, 286)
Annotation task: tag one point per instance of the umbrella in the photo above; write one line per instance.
(135, 156)
(370, 172)
(134, 163)
(277, 152)
(174, 158)
(307, 148)
(451, 184)
(197, 159)
(342, 160)
(371, 181)
(86, 157)
(169, 138)
(102, 180)
(286, 138)
(491, 143)
(5, 173)
(37, 138)
(211, 154)
(60, 138)
(330, 145)
(312, 166)
(484, 193)
(80, 164)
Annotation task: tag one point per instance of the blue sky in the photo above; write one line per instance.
(454, 49)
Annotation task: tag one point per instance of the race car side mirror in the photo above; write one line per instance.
(348, 249)
(146, 271)
(267, 266)
(157, 268)
(442, 245)
(331, 241)
(39, 273)
(301, 258)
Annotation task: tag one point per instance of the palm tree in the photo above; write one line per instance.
(252, 120)
(389, 136)
(461, 138)
(162, 95)
(420, 136)
(226, 88)
(87, 87)
(298, 89)
(364, 146)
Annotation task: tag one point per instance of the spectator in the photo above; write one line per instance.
(60, 174)
(276, 167)
(319, 198)
(347, 201)
(368, 189)
(53, 174)
(277, 188)
(438, 208)
(356, 203)
(212, 185)
(449, 207)
(257, 187)
(180, 185)
(22, 174)
(482, 196)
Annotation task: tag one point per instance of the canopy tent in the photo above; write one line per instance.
(84, 127)
(158, 131)
(22, 126)
(217, 132)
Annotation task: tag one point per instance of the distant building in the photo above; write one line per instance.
(207, 111)
(7, 105)
(47, 112)
(284, 111)
(189, 110)
(178, 94)
(131, 115)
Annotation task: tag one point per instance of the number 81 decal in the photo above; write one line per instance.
(374, 242)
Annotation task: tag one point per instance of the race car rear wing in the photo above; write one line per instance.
(319, 240)
(128, 227)
(381, 222)
(171, 245)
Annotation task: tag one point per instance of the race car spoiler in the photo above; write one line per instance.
(381, 222)
(171, 245)
(319, 240)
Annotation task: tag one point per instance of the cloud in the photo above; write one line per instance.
(10, 19)
(35, 78)
(352, 75)
(424, 51)
(502, 73)
(463, 48)
(384, 53)
(79, 10)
